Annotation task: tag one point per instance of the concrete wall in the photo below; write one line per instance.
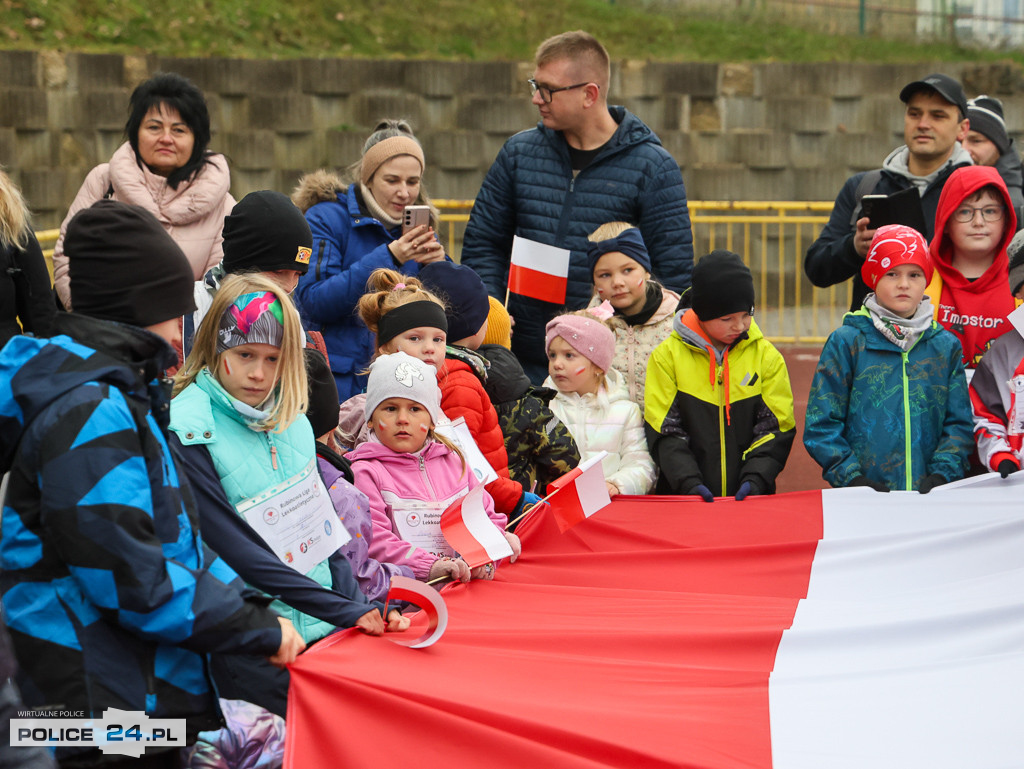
(740, 131)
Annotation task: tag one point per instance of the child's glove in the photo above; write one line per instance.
(703, 492)
(530, 499)
(863, 480)
(747, 489)
(929, 482)
(1006, 465)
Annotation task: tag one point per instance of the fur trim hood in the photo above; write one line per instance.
(320, 186)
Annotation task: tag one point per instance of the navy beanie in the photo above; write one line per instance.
(721, 285)
(463, 293)
(629, 242)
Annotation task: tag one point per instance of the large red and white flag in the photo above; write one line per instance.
(538, 270)
(470, 531)
(839, 628)
(580, 493)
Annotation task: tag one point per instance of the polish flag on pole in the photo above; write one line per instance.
(538, 271)
(427, 600)
(471, 532)
(580, 493)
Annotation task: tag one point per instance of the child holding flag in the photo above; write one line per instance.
(593, 403)
(411, 474)
(719, 408)
(408, 318)
(888, 406)
(620, 268)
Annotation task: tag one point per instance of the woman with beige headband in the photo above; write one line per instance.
(357, 228)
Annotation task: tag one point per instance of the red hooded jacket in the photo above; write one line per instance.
(975, 311)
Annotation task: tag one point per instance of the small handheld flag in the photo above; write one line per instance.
(469, 530)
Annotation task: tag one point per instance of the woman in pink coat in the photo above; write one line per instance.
(166, 168)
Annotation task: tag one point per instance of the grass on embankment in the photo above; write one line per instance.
(436, 29)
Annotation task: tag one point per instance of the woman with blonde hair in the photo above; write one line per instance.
(357, 228)
(238, 413)
(26, 301)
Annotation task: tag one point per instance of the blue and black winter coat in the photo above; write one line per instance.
(110, 596)
(890, 415)
(530, 191)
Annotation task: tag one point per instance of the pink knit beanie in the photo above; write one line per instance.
(590, 337)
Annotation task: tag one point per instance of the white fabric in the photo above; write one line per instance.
(909, 648)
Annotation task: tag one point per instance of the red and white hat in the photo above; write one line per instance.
(892, 245)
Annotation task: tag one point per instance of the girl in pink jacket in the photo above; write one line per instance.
(411, 475)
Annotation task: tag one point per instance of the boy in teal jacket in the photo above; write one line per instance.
(888, 406)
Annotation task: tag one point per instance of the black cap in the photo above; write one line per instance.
(948, 88)
(721, 284)
(322, 409)
(266, 232)
(124, 266)
(986, 116)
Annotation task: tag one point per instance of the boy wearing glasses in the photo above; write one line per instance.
(888, 406)
(585, 163)
(974, 223)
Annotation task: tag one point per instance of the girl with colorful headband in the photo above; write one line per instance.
(250, 455)
(356, 223)
(593, 403)
(620, 269)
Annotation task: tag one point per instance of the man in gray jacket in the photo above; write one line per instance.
(584, 164)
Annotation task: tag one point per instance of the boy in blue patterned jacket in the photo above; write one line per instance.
(888, 406)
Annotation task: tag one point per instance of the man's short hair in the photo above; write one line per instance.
(582, 48)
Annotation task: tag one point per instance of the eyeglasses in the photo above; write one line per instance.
(546, 93)
(988, 213)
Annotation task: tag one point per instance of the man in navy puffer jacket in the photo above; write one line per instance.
(584, 164)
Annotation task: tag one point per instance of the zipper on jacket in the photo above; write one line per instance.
(721, 426)
(426, 478)
(273, 451)
(319, 259)
(759, 442)
(907, 446)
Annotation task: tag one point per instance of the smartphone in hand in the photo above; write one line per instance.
(414, 216)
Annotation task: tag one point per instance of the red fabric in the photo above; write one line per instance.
(974, 311)
(643, 637)
(462, 395)
(536, 284)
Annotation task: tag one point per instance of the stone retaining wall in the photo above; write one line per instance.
(768, 131)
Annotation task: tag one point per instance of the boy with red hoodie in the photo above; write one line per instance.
(974, 223)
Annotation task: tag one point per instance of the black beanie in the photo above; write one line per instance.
(721, 285)
(266, 232)
(464, 295)
(322, 410)
(986, 116)
(123, 266)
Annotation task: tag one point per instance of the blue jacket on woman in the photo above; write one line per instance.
(531, 191)
(110, 595)
(890, 415)
(348, 245)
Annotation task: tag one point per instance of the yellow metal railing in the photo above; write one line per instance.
(771, 237)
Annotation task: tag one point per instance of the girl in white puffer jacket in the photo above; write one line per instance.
(592, 400)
